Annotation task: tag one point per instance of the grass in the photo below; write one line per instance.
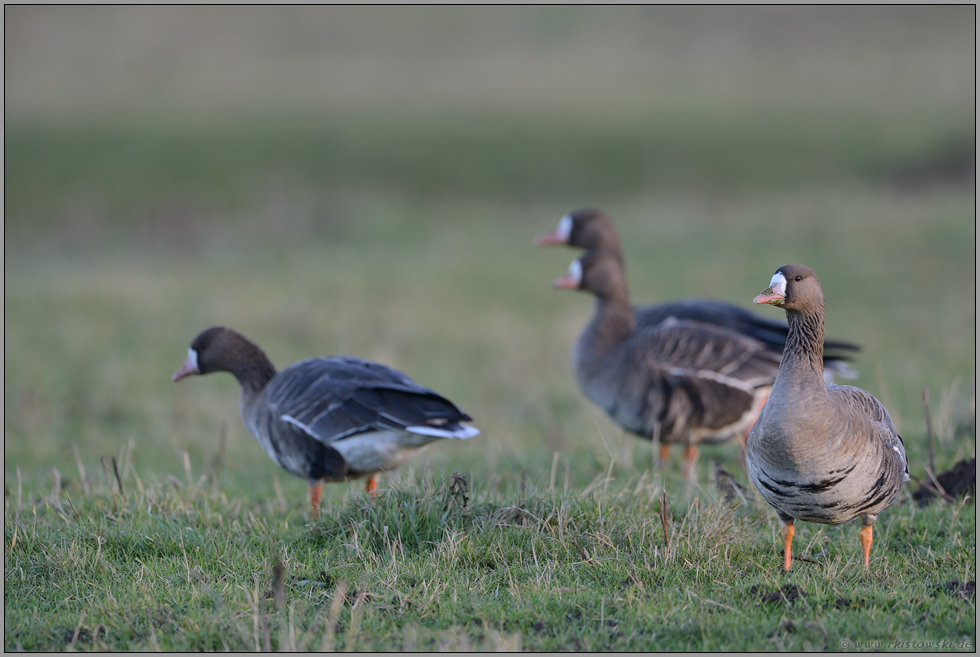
(450, 562)
(330, 204)
(560, 544)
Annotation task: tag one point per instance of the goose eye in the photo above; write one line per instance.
(798, 279)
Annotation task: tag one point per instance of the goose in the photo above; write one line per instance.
(819, 453)
(328, 419)
(591, 229)
(679, 381)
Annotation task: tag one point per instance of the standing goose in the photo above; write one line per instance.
(680, 381)
(328, 419)
(592, 230)
(820, 453)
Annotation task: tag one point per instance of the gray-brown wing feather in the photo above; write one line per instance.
(681, 376)
(342, 396)
(769, 332)
(859, 407)
(699, 349)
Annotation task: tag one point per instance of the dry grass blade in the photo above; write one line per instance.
(78, 629)
(459, 488)
(106, 460)
(714, 603)
(937, 489)
(356, 614)
(339, 595)
(115, 471)
(925, 401)
(663, 518)
(278, 582)
(729, 486)
(585, 556)
(263, 619)
(81, 469)
(253, 603)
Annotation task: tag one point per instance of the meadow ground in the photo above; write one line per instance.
(393, 220)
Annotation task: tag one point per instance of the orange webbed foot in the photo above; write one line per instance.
(865, 536)
(788, 531)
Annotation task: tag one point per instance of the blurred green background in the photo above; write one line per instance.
(369, 181)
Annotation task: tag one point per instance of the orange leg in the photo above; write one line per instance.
(690, 456)
(788, 531)
(371, 486)
(664, 453)
(865, 536)
(315, 489)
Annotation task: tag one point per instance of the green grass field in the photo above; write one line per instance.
(378, 197)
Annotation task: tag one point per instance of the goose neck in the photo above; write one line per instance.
(804, 342)
(611, 324)
(253, 370)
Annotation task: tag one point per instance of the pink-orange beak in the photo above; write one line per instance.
(188, 368)
(554, 237)
(560, 235)
(566, 282)
(770, 296)
(572, 278)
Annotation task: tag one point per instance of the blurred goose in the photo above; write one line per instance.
(679, 381)
(820, 453)
(592, 230)
(328, 419)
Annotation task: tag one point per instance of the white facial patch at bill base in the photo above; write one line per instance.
(575, 271)
(778, 284)
(192, 357)
(564, 229)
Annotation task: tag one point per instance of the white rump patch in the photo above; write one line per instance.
(564, 229)
(377, 451)
(462, 433)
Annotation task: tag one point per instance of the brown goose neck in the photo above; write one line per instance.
(613, 320)
(805, 339)
(252, 368)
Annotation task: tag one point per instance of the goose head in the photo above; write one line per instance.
(220, 349)
(584, 229)
(793, 287)
(598, 272)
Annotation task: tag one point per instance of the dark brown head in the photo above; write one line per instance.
(598, 272)
(793, 287)
(220, 349)
(588, 229)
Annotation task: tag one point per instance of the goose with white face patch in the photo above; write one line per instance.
(819, 453)
(592, 230)
(679, 381)
(328, 419)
